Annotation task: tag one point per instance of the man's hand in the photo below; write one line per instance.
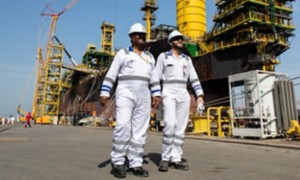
(155, 101)
(104, 100)
(200, 105)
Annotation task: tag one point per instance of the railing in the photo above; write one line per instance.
(238, 3)
(216, 118)
(246, 39)
(250, 17)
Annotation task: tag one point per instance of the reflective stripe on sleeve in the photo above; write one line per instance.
(154, 91)
(154, 84)
(194, 80)
(109, 80)
(106, 88)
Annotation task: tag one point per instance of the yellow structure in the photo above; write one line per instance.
(219, 119)
(49, 81)
(216, 122)
(191, 18)
(107, 37)
(295, 127)
(22, 114)
(47, 92)
(201, 125)
(265, 24)
(149, 7)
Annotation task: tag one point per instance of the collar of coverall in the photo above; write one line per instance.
(169, 53)
(130, 49)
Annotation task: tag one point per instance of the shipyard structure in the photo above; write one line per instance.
(247, 37)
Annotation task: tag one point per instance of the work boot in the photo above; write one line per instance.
(163, 166)
(119, 171)
(179, 165)
(139, 171)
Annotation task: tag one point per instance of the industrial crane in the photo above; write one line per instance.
(49, 72)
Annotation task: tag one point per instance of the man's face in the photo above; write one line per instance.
(177, 42)
(138, 38)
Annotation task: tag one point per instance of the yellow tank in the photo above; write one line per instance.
(191, 18)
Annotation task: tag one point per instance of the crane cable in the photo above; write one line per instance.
(41, 23)
(27, 85)
(107, 109)
(24, 93)
(92, 90)
(217, 101)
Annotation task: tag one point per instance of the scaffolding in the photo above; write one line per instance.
(150, 6)
(50, 84)
(107, 37)
(267, 24)
(49, 81)
(51, 91)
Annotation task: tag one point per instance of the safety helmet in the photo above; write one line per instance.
(137, 28)
(174, 34)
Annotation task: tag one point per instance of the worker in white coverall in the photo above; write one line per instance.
(175, 69)
(134, 70)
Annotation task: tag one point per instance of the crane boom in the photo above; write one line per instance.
(67, 7)
(66, 51)
(49, 73)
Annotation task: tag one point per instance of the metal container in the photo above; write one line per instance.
(191, 18)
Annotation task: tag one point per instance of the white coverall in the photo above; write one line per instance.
(175, 73)
(133, 103)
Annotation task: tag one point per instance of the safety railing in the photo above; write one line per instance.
(250, 17)
(216, 122)
(234, 5)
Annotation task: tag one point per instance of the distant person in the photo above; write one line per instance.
(28, 118)
(12, 120)
(8, 120)
(74, 120)
(3, 120)
(67, 120)
(63, 120)
(51, 120)
(175, 69)
(134, 68)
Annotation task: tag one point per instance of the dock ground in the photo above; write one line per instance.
(43, 152)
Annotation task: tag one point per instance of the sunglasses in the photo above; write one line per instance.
(141, 35)
(177, 38)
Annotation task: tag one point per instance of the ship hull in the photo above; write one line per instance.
(213, 70)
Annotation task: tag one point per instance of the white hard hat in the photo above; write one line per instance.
(137, 28)
(174, 34)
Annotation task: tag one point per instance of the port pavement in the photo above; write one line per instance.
(83, 153)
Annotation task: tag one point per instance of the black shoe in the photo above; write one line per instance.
(119, 171)
(179, 165)
(139, 171)
(163, 166)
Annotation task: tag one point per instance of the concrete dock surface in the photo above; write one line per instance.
(45, 152)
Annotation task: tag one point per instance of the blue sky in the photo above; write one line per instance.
(21, 23)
